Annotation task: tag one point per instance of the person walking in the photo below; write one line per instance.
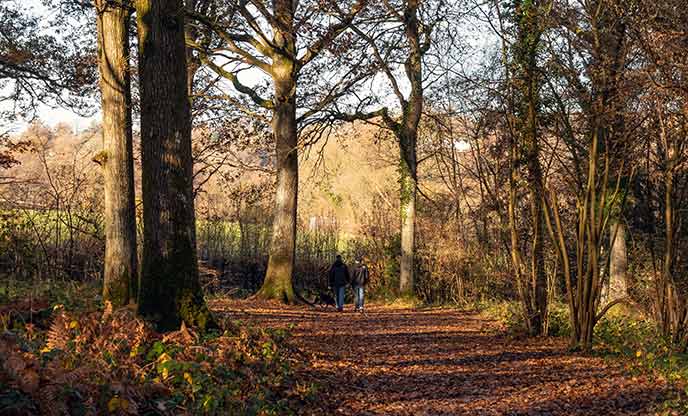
(359, 280)
(339, 279)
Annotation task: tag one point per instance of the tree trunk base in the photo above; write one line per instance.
(277, 284)
(195, 313)
(283, 295)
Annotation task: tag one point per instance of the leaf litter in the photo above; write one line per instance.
(438, 361)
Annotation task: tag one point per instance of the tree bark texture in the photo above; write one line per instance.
(407, 135)
(618, 263)
(278, 277)
(120, 278)
(170, 291)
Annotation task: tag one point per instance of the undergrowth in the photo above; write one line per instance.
(81, 360)
(620, 334)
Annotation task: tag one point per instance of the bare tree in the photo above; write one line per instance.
(243, 42)
(401, 36)
(661, 38)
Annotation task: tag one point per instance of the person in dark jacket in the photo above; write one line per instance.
(359, 280)
(339, 279)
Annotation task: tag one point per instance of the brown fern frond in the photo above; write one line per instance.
(58, 334)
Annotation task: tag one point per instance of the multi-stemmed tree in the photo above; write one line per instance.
(589, 73)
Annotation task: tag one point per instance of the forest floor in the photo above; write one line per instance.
(403, 361)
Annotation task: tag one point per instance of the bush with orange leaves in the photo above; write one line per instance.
(112, 362)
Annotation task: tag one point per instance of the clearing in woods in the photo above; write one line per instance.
(400, 361)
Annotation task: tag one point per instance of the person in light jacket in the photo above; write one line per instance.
(359, 279)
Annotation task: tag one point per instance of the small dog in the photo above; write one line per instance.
(324, 300)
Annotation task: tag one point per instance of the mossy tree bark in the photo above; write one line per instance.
(407, 136)
(170, 291)
(120, 278)
(278, 278)
(408, 173)
(525, 150)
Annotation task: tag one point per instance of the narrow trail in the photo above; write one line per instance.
(446, 362)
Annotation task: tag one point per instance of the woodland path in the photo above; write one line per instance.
(396, 361)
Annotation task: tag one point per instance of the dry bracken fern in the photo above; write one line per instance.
(58, 335)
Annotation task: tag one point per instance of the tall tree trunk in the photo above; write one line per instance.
(538, 319)
(121, 280)
(536, 186)
(407, 180)
(522, 289)
(170, 291)
(278, 277)
(407, 135)
(526, 49)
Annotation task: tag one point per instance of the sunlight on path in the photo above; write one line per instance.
(446, 362)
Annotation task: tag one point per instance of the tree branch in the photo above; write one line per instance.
(332, 32)
(383, 65)
(231, 39)
(250, 92)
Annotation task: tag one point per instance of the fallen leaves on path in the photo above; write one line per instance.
(445, 362)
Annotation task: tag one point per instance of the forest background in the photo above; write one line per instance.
(525, 156)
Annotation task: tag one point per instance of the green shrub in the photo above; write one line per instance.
(504, 312)
(559, 322)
